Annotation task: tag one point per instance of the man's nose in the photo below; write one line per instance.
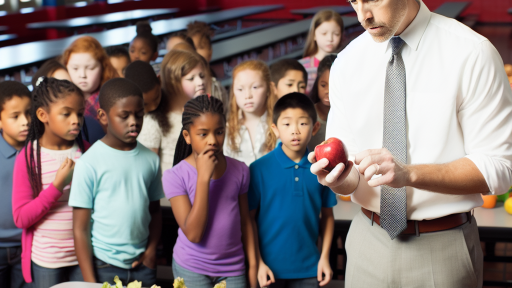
(363, 12)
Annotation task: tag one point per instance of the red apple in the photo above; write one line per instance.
(334, 150)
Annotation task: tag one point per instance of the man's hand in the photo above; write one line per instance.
(148, 259)
(380, 161)
(331, 179)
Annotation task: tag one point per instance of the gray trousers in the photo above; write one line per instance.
(446, 259)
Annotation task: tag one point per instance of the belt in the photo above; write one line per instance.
(426, 226)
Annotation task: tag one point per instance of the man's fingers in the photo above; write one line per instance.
(370, 171)
(319, 166)
(363, 154)
(311, 157)
(335, 173)
(382, 180)
(135, 263)
(369, 161)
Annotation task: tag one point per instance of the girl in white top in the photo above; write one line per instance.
(183, 78)
(249, 136)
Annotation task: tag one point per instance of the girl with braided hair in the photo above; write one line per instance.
(41, 183)
(208, 196)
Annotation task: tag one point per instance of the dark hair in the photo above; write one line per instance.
(323, 66)
(144, 33)
(183, 35)
(47, 69)
(46, 93)
(202, 29)
(193, 109)
(142, 74)
(118, 51)
(115, 89)
(9, 89)
(278, 70)
(294, 100)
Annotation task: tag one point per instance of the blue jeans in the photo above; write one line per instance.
(197, 280)
(295, 283)
(47, 277)
(106, 273)
(10, 268)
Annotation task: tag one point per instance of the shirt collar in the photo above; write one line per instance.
(6, 148)
(286, 162)
(414, 32)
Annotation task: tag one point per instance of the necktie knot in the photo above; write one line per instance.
(396, 44)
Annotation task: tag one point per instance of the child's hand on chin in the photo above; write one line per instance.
(205, 163)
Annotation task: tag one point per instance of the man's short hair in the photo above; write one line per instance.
(116, 89)
(292, 101)
(142, 74)
(278, 70)
(9, 89)
(117, 51)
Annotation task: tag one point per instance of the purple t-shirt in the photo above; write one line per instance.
(220, 252)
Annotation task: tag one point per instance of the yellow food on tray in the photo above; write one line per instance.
(179, 283)
(221, 285)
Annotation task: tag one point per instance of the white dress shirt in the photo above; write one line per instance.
(246, 152)
(459, 104)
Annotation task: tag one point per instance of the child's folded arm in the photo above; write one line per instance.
(27, 209)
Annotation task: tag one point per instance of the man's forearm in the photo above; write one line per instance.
(460, 177)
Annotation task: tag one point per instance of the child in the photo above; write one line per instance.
(288, 76)
(207, 192)
(144, 46)
(324, 37)
(201, 34)
(89, 68)
(14, 122)
(42, 174)
(119, 58)
(176, 38)
(286, 200)
(183, 78)
(51, 68)
(249, 136)
(320, 96)
(142, 74)
(115, 195)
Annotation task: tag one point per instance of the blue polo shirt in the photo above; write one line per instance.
(289, 199)
(10, 235)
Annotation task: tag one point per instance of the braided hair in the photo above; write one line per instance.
(47, 91)
(193, 109)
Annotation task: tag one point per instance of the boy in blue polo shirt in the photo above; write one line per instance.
(285, 200)
(14, 120)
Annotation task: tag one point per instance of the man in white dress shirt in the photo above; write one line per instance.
(424, 107)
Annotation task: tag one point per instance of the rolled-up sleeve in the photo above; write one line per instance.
(485, 116)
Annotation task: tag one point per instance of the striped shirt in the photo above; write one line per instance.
(53, 245)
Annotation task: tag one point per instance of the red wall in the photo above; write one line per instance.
(488, 10)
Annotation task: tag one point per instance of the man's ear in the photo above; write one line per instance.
(42, 115)
(186, 135)
(274, 129)
(316, 127)
(103, 117)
